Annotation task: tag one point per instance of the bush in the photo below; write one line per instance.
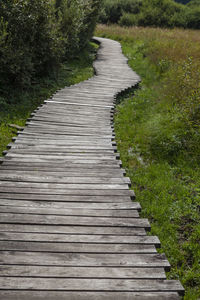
(155, 13)
(114, 9)
(29, 43)
(91, 10)
(158, 13)
(36, 35)
(193, 3)
(192, 18)
(128, 20)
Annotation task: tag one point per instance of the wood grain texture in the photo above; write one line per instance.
(69, 229)
(44, 295)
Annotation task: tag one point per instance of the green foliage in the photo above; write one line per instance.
(158, 135)
(192, 18)
(194, 3)
(158, 13)
(155, 13)
(36, 36)
(77, 23)
(128, 20)
(91, 8)
(29, 44)
(114, 9)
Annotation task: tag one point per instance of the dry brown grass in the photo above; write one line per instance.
(174, 44)
(175, 50)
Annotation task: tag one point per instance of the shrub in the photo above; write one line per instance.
(193, 3)
(91, 10)
(158, 13)
(128, 20)
(29, 43)
(155, 13)
(114, 9)
(36, 35)
(192, 17)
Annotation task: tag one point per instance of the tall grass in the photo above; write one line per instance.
(158, 135)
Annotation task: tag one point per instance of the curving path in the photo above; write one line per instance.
(68, 227)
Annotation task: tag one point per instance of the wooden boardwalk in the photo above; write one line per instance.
(68, 227)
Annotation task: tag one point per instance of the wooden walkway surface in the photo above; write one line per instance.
(68, 227)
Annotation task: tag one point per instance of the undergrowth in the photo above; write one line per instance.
(158, 135)
(19, 104)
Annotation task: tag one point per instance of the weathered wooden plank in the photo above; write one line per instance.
(48, 159)
(26, 137)
(69, 116)
(28, 133)
(59, 167)
(63, 173)
(63, 113)
(67, 192)
(84, 99)
(68, 130)
(72, 220)
(70, 186)
(83, 272)
(85, 117)
(86, 93)
(70, 123)
(103, 207)
(77, 107)
(70, 120)
(80, 105)
(69, 110)
(63, 155)
(103, 114)
(77, 284)
(29, 195)
(63, 152)
(62, 133)
(70, 212)
(56, 247)
(84, 259)
(69, 148)
(28, 149)
(72, 229)
(69, 238)
(43, 295)
(61, 179)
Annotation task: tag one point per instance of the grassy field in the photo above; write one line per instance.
(22, 103)
(158, 135)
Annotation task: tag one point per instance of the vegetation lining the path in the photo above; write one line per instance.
(158, 135)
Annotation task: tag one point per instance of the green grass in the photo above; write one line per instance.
(20, 104)
(160, 154)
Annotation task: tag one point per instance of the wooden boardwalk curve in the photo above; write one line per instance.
(68, 227)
